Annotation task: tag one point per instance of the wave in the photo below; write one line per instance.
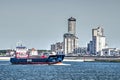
(63, 64)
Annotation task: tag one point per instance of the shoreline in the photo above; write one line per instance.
(4, 58)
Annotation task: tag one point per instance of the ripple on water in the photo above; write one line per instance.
(76, 71)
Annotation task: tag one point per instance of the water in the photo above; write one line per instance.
(68, 71)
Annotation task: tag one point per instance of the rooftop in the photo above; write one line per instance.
(71, 19)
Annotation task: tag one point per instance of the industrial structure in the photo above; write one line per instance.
(98, 41)
(70, 41)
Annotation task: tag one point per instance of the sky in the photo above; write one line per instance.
(40, 23)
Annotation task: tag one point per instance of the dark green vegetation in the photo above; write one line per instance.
(3, 52)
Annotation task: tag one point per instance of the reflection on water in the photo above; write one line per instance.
(74, 71)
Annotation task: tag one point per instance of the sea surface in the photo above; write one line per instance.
(65, 71)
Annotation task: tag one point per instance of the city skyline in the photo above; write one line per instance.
(41, 23)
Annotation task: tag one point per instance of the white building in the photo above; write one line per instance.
(111, 52)
(98, 41)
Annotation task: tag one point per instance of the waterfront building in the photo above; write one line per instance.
(80, 51)
(90, 48)
(98, 41)
(57, 47)
(70, 41)
(111, 52)
(53, 48)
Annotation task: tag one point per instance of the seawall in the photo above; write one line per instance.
(76, 58)
(93, 58)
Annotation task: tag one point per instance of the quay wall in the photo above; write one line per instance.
(92, 58)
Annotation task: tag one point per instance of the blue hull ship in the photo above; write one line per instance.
(52, 59)
(25, 56)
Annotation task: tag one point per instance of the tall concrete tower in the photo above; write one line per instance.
(72, 25)
(70, 39)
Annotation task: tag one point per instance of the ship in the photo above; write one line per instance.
(24, 56)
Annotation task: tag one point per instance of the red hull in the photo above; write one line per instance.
(37, 63)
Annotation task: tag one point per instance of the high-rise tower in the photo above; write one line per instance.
(72, 25)
(98, 41)
(70, 39)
